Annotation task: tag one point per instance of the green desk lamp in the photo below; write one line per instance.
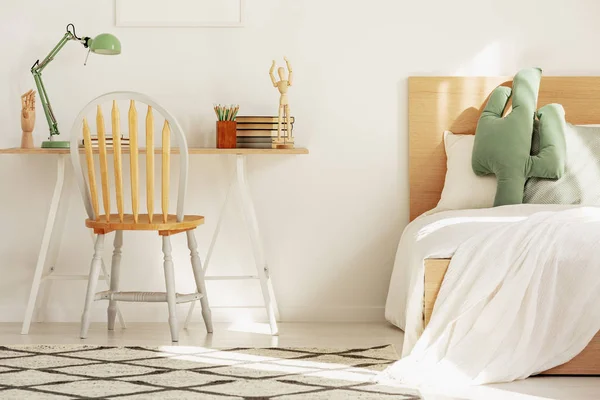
(105, 43)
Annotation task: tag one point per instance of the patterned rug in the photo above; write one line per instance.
(56, 372)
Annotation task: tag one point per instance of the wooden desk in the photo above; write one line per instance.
(191, 150)
(45, 269)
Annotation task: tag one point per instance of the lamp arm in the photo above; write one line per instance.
(36, 70)
(41, 65)
(52, 123)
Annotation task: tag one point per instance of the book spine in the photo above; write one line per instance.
(261, 120)
(256, 146)
(254, 133)
(96, 145)
(256, 139)
(108, 143)
(108, 139)
(267, 127)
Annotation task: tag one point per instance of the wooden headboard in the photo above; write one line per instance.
(437, 104)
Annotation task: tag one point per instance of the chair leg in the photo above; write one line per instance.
(115, 272)
(199, 277)
(170, 283)
(91, 288)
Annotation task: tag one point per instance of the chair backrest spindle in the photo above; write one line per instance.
(103, 162)
(150, 163)
(89, 156)
(118, 158)
(166, 156)
(134, 171)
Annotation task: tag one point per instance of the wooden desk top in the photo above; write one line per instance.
(192, 150)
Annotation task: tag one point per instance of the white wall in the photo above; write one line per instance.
(331, 220)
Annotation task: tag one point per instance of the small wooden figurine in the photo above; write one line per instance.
(287, 141)
(27, 119)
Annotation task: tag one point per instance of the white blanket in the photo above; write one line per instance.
(438, 235)
(518, 299)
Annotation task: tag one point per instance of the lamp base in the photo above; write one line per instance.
(56, 144)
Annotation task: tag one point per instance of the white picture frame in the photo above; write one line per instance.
(180, 13)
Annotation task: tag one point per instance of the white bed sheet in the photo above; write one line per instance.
(438, 235)
(511, 303)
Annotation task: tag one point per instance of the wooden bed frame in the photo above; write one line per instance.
(437, 104)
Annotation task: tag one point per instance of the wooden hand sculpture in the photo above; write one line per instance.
(503, 145)
(27, 119)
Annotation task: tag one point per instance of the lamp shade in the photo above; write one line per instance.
(105, 43)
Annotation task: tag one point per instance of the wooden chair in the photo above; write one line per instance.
(163, 222)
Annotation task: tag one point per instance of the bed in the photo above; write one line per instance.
(437, 104)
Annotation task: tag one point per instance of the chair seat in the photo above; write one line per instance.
(172, 226)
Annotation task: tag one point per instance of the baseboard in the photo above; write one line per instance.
(158, 313)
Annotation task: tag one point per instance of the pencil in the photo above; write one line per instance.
(226, 112)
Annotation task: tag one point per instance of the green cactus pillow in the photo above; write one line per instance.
(502, 145)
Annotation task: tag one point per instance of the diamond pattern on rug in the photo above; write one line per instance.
(16, 394)
(179, 378)
(341, 394)
(337, 378)
(4, 353)
(266, 388)
(179, 395)
(61, 372)
(324, 362)
(107, 370)
(236, 356)
(273, 353)
(118, 354)
(184, 362)
(30, 377)
(333, 361)
(95, 388)
(260, 370)
(314, 350)
(376, 353)
(55, 348)
(42, 361)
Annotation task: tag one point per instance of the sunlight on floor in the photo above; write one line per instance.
(250, 327)
(312, 369)
(328, 368)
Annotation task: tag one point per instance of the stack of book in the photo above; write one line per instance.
(109, 141)
(259, 132)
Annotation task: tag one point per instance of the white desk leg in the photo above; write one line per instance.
(41, 304)
(257, 247)
(255, 239)
(210, 251)
(41, 261)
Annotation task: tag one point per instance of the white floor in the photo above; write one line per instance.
(301, 335)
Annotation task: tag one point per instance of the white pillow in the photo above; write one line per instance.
(579, 183)
(462, 188)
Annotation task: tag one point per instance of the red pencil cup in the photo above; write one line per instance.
(226, 134)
